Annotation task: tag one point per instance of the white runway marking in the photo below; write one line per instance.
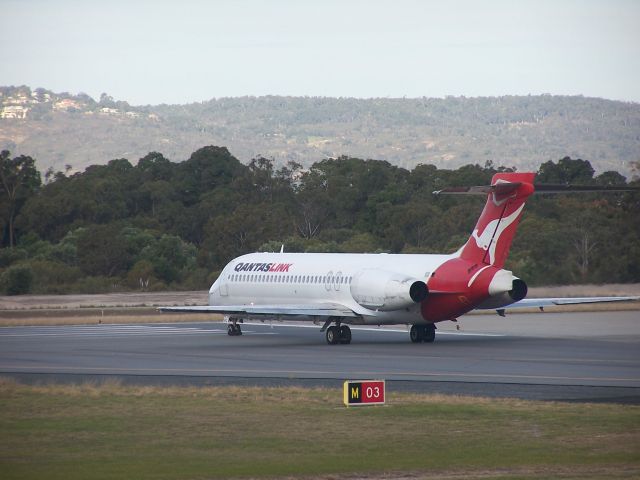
(373, 329)
(110, 330)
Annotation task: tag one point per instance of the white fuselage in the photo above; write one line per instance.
(318, 278)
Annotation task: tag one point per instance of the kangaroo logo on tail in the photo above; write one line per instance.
(491, 238)
(488, 240)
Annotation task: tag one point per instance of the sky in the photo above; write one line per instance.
(152, 52)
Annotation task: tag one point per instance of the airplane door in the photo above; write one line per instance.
(224, 289)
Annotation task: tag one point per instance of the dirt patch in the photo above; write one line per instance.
(142, 306)
(167, 299)
(110, 300)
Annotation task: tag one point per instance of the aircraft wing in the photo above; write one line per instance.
(547, 302)
(310, 310)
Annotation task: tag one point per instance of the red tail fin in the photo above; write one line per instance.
(491, 238)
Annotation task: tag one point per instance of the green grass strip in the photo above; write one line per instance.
(111, 431)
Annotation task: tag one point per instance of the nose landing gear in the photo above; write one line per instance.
(233, 329)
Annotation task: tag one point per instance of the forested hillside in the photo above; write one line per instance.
(523, 131)
(159, 224)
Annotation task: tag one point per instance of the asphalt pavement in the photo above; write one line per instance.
(550, 356)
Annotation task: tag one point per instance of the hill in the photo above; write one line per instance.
(60, 129)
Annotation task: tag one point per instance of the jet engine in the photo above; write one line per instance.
(505, 289)
(384, 290)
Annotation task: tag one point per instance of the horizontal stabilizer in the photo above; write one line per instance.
(508, 187)
(499, 188)
(584, 188)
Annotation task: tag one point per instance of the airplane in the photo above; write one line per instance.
(342, 289)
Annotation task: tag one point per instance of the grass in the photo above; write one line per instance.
(112, 431)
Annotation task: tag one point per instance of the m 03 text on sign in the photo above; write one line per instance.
(363, 392)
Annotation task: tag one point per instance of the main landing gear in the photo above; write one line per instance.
(336, 333)
(423, 333)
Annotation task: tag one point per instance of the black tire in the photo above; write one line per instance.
(230, 330)
(333, 335)
(429, 333)
(416, 334)
(345, 334)
(238, 330)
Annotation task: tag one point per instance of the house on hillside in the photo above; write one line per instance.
(109, 111)
(14, 111)
(67, 104)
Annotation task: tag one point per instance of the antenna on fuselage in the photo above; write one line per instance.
(282, 248)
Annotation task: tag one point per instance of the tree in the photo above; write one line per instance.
(610, 178)
(102, 250)
(18, 280)
(19, 179)
(566, 171)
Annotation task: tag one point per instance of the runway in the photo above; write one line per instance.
(568, 356)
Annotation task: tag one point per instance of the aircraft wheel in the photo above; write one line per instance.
(416, 334)
(429, 333)
(345, 334)
(233, 330)
(333, 335)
